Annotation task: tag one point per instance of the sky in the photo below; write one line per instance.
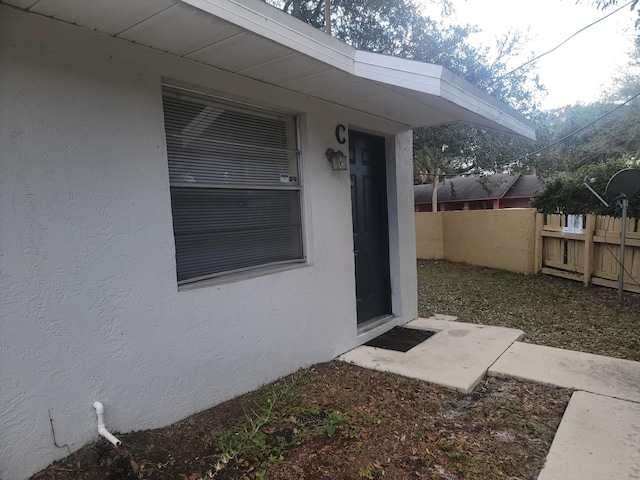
(581, 69)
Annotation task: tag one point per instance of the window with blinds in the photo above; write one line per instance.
(235, 190)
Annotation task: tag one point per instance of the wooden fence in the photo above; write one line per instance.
(588, 250)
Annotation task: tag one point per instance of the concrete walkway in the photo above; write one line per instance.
(611, 377)
(599, 435)
(457, 357)
(598, 438)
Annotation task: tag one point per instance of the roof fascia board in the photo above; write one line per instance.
(418, 76)
(463, 93)
(436, 80)
(269, 22)
(280, 27)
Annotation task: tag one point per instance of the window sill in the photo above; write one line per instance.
(241, 276)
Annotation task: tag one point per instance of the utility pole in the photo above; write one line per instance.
(327, 16)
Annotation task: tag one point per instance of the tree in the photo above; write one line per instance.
(624, 131)
(380, 26)
(604, 4)
(568, 195)
(397, 27)
(593, 133)
(606, 137)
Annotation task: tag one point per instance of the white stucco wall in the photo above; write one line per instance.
(90, 309)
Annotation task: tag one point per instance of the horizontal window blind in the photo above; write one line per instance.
(235, 192)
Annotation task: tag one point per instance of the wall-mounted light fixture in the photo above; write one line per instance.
(337, 158)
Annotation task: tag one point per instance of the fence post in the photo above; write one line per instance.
(537, 266)
(589, 230)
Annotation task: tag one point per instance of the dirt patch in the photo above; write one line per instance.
(341, 422)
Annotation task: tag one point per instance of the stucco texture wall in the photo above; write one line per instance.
(429, 231)
(503, 239)
(90, 305)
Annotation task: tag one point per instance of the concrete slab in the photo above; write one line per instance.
(598, 438)
(456, 357)
(608, 376)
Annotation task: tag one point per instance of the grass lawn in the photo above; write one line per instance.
(551, 311)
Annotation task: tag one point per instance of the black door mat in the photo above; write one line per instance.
(400, 339)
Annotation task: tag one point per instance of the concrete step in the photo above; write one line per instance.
(598, 438)
(457, 356)
(612, 377)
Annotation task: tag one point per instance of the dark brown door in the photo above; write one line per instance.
(370, 225)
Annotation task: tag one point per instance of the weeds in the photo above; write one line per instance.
(248, 434)
(468, 465)
(370, 472)
(338, 421)
(332, 421)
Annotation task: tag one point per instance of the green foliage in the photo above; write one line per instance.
(399, 28)
(568, 195)
(370, 472)
(611, 126)
(604, 4)
(332, 420)
(248, 435)
(467, 149)
(613, 135)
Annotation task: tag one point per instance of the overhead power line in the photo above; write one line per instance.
(557, 142)
(583, 127)
(566, 137)
(562, 43)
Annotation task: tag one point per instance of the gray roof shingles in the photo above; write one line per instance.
(480, 188)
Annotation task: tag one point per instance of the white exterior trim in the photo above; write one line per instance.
(404, 91)
(263, 19)
(415, 77)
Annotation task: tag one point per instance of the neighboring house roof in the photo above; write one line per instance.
(253, 39)
(526, 186)
(479, 188)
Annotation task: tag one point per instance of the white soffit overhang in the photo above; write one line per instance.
(253, 39)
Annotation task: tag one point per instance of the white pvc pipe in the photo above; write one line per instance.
(102, 430)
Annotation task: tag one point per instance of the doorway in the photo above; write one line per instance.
(367, 158)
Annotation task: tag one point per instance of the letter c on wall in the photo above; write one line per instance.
(340, 129)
